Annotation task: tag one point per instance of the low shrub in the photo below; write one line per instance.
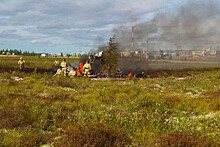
(184, 139)
(90, 134)
(25, 137)
(14, 118)
(63, 82)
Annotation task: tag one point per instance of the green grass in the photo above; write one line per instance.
(33, 62)
(40, 109)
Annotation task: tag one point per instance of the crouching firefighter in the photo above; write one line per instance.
(72, 73)
(63, 64)
(87, 68)
(59, 71)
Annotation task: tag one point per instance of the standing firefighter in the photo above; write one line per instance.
(87, 68)
(63, 64)
(21, 63)
(56, 62)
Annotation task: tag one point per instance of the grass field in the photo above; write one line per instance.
(32, 62)
(38, 109)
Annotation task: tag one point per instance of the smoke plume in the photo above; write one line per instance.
(194, 25)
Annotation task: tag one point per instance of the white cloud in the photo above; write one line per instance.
(33, 41)
(76, 22)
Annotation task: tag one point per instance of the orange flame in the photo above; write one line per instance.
(81, 67)
(130, 74)
(78, 73)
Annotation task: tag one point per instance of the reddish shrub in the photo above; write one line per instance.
(180, 139)
(14, 117)
(63, 82)
(93, 134)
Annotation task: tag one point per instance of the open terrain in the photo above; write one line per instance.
(167, 108)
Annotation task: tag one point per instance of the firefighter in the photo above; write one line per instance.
(72, 73)
(63, 64)
(56, 62)
(59, 71)
(21, 63)
(87, 68)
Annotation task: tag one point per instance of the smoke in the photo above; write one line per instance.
(99, 44)
(194, 25)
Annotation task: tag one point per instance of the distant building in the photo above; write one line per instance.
(204, 52)
(43, 55)
(198, 53)
(135, 54)
(210, 52)
(125, 54)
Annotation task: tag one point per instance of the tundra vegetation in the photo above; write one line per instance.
(37, 109)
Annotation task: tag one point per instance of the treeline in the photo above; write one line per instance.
(11, 51)
(27, 53)
(17, 52)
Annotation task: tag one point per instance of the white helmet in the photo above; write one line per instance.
(20, 57)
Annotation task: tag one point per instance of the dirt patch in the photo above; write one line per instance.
(26, 70)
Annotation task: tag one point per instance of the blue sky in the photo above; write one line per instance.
(70, 26)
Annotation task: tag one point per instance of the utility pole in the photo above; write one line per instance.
(132, 39)
(147, 41)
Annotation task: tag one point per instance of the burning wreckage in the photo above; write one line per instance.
(97, 61)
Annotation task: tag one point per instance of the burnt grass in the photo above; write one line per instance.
(147, 74)
(27, 70)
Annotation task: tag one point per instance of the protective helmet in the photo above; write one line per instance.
(20, 57)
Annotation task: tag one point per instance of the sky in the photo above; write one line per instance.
(70, 26)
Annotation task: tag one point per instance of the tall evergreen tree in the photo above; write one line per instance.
(111, 57)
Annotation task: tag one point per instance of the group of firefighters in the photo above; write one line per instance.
(63, 68)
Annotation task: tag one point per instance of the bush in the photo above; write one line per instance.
(183, 139)
(63, 82)
(14, 117)
(90, 134)
(23, 137)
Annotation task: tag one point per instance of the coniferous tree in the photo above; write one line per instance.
(111, 57)
(68, 55)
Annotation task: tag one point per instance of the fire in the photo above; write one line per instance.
(130, 74)
(81, 67)
(78, 73)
